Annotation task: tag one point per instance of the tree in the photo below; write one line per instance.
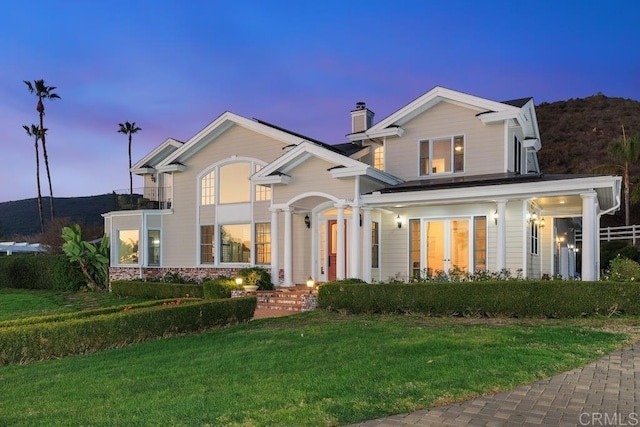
(624, 153)
(42, 91)
(129, 129)
(93, 260)
(34, 132)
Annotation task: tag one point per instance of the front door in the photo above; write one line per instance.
(332, 248)
(447, 245)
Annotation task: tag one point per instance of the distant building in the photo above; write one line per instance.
(9, 248)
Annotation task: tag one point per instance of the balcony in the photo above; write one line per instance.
(143, 198)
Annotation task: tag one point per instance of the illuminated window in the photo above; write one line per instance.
(207, 244)
(235, 186)
(263, 243)
(442, 155)
(207, 189)
(414, 248)
(262, 192)
(480, 243)
(378, 158)
(128, 246)
(235, 243)
(375, 244)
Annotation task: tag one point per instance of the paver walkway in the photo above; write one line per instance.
(603, 393)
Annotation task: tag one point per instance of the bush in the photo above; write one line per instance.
(623, 270)
(53, 339)
(256, 276)
(218, 288)
(27, 271)
(514, 298)
(67, 276)
(158, 290)
(611, 250)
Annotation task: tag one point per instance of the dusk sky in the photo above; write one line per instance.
(174, 66)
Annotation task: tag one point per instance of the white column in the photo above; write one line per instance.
(354, 243)
(590, 236)
(288, 248)
(275, 268)
(366, 244)
(501, 235)
(340, 273)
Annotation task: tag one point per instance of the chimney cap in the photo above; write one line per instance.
(361, 105)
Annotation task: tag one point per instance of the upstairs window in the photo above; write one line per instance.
(442, 155)
(230, 183)
(208, 188)
(378, 157)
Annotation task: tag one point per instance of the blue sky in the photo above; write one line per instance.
(174, 66)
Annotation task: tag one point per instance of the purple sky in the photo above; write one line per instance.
(174, 66)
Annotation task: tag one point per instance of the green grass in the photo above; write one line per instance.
(20, 303)
(315, 369)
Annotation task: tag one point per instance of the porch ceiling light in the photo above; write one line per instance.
(399, 221)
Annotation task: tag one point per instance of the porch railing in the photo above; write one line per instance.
(144, 198)
(631, 232)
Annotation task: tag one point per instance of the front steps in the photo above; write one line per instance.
(296, 299)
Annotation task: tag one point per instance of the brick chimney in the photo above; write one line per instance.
(361, 118)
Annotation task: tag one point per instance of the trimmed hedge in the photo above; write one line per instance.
(555, 299)
(40, 272)
(218, 288)
(54, 339)
(159, 290)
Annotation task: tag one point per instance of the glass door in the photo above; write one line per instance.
(447, 245)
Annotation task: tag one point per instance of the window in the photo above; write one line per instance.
(414, 247)
(153, 247)
(442, 155)
(480, 243)
(263, 243)
(517, 155)
(128, 246)
(235, 243)
(263, 192)
(534, 230)
(375, 244)
(378, 157)
(235, 186)
(207, 244)
(207, 189)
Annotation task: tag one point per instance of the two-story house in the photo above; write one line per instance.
(449, 182)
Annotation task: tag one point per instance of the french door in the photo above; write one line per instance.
(332, 248)
(447, 245)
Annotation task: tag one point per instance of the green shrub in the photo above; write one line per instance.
(218, 288)
(66, 276)
(158, 290)
(614, 248)
(622, 269)
(256, 276)
(54, 339)
(27, 271)
(511, 298)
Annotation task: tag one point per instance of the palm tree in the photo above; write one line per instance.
(42, 91)
(624, 153)
(129, 129)
(34, 132)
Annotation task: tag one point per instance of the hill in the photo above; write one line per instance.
(20, 218)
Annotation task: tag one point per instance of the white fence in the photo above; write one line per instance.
(608, 234)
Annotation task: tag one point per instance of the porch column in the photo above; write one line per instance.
(340, 238)
(590, 237)
(288, 247)
(366, 244)
(501, 235)
(354, 242)
(275, 268)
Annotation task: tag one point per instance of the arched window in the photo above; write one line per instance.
(230, 183)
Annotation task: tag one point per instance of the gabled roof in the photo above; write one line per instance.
(216, 128)
(149, 162)
(277, 171)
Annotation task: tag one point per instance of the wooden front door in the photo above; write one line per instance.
(332, 248)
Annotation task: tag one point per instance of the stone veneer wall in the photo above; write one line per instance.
(193, 273)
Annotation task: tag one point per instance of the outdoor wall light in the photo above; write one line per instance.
(541, 224)
(239, 281)
(310, 282)
(495, 217)
(399, 221)
(307, 221)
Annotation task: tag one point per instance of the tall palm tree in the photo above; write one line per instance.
(624, 153)
(129, 129)
(42, 91)
(34, 132)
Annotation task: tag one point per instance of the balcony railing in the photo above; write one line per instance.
(144, 198)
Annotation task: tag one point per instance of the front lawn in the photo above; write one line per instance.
(316, 369)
